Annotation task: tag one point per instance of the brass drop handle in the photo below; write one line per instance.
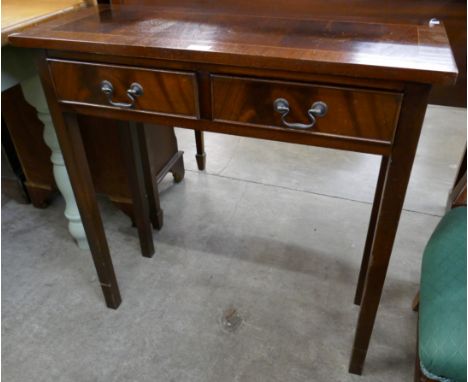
(135, 90)
(318, 109)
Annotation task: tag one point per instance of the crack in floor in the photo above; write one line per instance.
(219, 175)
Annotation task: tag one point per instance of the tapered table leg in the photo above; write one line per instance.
(131, 144)
(396, 182)
(200, 155)
(69, 136)
(371, 230)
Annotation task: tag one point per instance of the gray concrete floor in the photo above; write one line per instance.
(275, 231)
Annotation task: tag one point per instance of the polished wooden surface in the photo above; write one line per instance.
(356, 56)
(100, 136)
(351, 112)
(330, 40)
(165, 92)
(452, 13)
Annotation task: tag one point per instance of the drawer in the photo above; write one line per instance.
(163, 92)
(357, 113)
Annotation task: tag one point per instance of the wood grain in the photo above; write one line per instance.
(452, 13)
(351, 112)
(371, 230)
(165, 92)
(69, 136)
(340, 43)
(393, 195)
(328, 41)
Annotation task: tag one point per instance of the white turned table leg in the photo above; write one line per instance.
(34, 94)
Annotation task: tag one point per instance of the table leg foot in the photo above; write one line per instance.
(111, 295)
(157, 219)
(357, 361)
(178, 170)
(200, 155)
(201, 161)
(40, 196)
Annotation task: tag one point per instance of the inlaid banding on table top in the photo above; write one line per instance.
(342, 45)
(163, 92)
(283, 32)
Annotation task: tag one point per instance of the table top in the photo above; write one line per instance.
(339, 37)
(17, 15)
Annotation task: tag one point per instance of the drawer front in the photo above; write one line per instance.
(164, 92)
(354, 113)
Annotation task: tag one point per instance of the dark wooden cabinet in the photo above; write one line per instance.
(22, 137)
(106, 157)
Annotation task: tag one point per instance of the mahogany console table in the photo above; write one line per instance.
(336, 74)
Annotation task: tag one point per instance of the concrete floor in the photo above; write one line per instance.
(274, 231)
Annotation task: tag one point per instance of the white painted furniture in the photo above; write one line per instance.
(18, 67)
